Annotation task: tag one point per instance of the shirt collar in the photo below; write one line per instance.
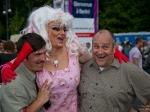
(115, 63)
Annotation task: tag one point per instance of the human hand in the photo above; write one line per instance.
(44, 93)
(144, 108)
(7, 73)
(42, 97)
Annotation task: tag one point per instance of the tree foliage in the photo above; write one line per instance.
(117, 15)
(125, 15)
(16, 23)
(18, 17)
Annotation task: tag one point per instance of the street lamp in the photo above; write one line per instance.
(6, 11)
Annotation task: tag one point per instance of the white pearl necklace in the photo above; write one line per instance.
(55, 62)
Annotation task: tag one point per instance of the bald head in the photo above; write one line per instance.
(106, 33)
(103, 48)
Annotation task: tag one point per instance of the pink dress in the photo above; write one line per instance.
(64, 86)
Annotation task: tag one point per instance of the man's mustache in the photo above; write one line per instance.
(40, 62)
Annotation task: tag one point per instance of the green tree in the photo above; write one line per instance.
(16, 23)
(20, 11)
(117, 15)
(125, 15)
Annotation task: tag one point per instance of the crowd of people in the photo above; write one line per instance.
(138, 54)
(46, 74)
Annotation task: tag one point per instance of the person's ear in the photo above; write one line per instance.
(114, 47)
